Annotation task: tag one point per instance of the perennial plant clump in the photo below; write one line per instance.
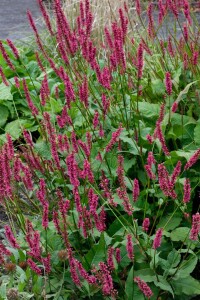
(99, 157)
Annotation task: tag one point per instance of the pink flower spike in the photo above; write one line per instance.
(3, 77)
(13, 48)
(138, 7)
(192, 160)
(174, 107)
(114, 139)
(168, 83)
(110, 261)
(118, 255)
(10, 237)
(129, 247)
(157, 239)
(187, 191)
(34, 267)
(195, 227)
(146, 224)
(136, 190)
(140, 61)
(145, 289)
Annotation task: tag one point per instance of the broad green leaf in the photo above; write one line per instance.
(173, 258)
(148, 275)
(187, 286)
(180, 234)
(132, 145)
(56, 106)
(5, 92)
(3, 115)
(129, 286)
(14, 128)
(181, 153)
(149, 110)
(187, 267)
(158, 87)
(169, 223)
(43, 149)
(97, 252)
(164, 285)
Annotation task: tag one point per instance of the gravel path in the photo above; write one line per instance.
(13, 19)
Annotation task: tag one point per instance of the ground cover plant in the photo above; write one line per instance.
(99, 168)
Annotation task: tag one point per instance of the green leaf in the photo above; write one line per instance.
(148, 275)
(3, 291)
(197, 133)
(187, 286)
(56, 106)
(97, 253)
(149, 110)
(21, 274)
(43, 149)
(185, 91)
(5, 92)
(180, 234)
(169, 223)
(3, 115)
(187, 267)
(132, 146)
(158, 87)
(129, 286)
(173, 259)
(164, 285)
(181, 153)
(14, 128)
